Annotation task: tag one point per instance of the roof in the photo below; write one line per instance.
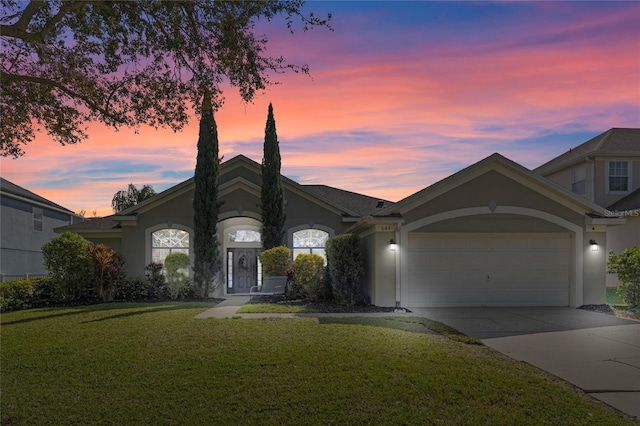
(9, 188)
(359, 203)
(349, 203)
(493, 162)
(613, 142)
(628, 203)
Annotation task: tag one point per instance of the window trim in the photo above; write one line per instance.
(608, 171)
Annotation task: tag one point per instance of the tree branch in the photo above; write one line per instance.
(27, 15)
(54, 84)
(19, 29)
(66, 8)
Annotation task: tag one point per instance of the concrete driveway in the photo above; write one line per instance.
(597, 352)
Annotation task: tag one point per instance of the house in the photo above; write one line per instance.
(493, 234)
(606, 171)
(27, 222)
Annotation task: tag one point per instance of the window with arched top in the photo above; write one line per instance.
(167, 241)
(244, 236)
(310, 241)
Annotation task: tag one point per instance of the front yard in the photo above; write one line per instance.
(157, 364)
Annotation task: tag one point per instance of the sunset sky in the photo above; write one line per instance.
(401, 95)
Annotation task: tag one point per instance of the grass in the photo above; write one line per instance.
(157, 364)
(272, 308)
(620, 307)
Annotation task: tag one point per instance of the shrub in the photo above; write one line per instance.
(176, 265)
(106, 266)
(346, 269)
(16, 295)
(275, 261)
(310, 275)
(45, 293)
(627, 267)
(67, 260)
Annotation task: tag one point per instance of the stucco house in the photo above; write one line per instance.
(606, 171)
(493, 234)
(27, 221)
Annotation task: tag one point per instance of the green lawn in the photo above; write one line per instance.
(157, 364)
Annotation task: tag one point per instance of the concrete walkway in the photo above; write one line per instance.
(599, 353)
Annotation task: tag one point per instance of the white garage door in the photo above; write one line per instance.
(488, 270)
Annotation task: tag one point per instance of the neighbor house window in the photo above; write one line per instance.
(618, 176)
(579, 181)
(310, 241)
(38, 220)
(167, 241)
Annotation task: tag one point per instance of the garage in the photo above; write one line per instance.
(447, 269)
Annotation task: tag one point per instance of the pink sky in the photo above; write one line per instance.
(401, 95)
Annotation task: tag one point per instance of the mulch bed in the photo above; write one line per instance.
(606, 309)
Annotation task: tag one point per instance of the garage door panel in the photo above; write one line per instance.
(488, 270)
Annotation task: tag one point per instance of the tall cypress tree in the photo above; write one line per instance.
(272, 196)
(205, 201)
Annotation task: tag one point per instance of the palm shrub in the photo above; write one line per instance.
(176, 265)
(275, 261)
(626, 266)
(310, 275)
(107, 265)
(346, 268)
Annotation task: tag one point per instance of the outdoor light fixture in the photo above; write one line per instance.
(392, 245)
(594, 245)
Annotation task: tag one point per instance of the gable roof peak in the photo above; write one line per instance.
(615, 141)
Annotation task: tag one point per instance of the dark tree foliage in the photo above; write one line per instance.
(205, 202)
(66, 63)
(124, 199)
(272, 196)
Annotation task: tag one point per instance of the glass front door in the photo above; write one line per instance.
(242, 269)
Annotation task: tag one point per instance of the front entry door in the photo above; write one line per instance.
(245, 269)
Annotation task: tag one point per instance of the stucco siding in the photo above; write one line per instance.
(492, 186)
(595, 262)
(21, 251)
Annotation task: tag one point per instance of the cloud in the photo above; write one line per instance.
(401, 95)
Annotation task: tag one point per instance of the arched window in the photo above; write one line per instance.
(166, 241)
(310, 241)
(244, 236)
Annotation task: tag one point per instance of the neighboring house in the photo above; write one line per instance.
(27, 222)
(606, 171)
(493, 234)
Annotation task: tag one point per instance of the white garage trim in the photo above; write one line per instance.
(576, 279)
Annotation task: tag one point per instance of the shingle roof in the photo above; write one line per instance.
(628, 203)
(615, 141)
(358, 203)
(98, 223)
(11, 188)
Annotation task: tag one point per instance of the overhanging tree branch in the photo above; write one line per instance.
(54, 84)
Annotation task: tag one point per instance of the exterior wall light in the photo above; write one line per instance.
(594, 245)
(392, 245)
